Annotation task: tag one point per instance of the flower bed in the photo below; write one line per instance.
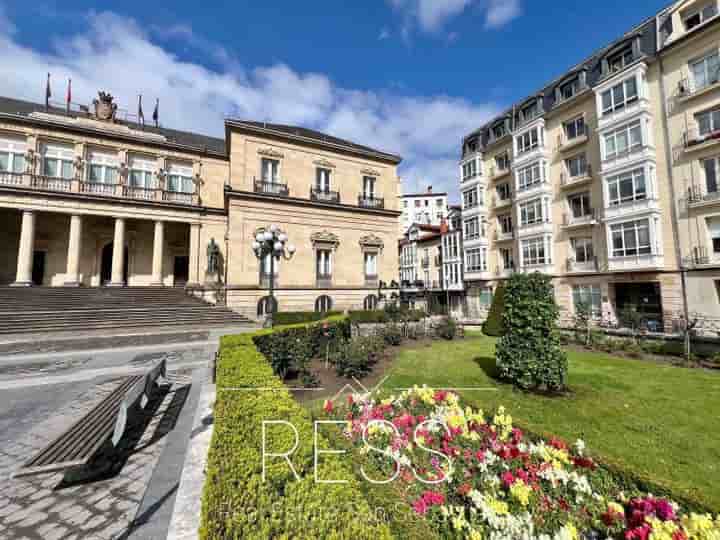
(473, 475)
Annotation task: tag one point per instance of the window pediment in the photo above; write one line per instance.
(324, 240)
(370, 172)
(371, 242)
(324, 163)
(270, 152)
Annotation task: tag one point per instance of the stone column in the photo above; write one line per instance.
(72, 276)
(23, 277)
(194, 277)
(118, 260)
(158, 245)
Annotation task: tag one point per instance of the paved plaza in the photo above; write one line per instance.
(132, 494)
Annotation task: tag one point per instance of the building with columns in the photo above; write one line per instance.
(91, 199)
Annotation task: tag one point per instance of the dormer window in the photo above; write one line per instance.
(530, 111)
(569, 89)
(471, 146)
(498, 131)
(619, 61)
(695, 17)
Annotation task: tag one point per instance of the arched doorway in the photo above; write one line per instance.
(106, 265)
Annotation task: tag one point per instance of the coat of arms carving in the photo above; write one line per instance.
(105, 108)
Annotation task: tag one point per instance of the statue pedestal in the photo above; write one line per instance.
(212, 278)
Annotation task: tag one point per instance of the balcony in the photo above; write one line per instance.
(473, 273)
(271, 188)
(571, 221)
(700, 257)
(699, 196)
(497, 173)
(504, 273)
(573, 265)
(687, 90)
(542, 226)
(323, 195)
(567, 181)
(425, 262)
(501, 236)
(564, 143)
(532, 190)
(69, 185)
(371, 280)
(543, 268)
(630, 208)
(323, 280)
(648, 261)
(694, 141)
(366, 201)
(502, 203)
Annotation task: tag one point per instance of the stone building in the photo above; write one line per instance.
(75, 184)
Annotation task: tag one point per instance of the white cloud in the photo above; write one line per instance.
(113, 53)
(501, 12)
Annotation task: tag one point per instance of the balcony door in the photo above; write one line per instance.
(270, 171)
(106, 265)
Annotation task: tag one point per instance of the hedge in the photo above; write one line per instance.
(382, 316)
(493, 325)
(295, 317)
(236, 501)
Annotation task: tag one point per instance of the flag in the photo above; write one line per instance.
(69, 96)
(48, 93)
(156, 112)
(141, 116)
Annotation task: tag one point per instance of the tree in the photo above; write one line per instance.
(529, 354)
(493, 325)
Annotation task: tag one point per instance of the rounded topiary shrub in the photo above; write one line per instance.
(529, 354)
(493, 325)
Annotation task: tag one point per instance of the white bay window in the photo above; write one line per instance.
(631, 238)
(624, 140)
(12, 154)
(619, 96)
(627, 187)
(180, 178)
(102, 167)
(535, 251)
(141, 171)
(57, 160)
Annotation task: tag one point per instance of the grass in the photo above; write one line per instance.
(654, 420)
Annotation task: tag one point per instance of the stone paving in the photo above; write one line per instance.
(90, 504)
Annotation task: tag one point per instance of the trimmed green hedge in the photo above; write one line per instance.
(236, 501)
(383, 316)
(493, 325)
(295, 317)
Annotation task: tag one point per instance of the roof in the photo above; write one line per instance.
(429, 237)
(426, 194)
(195, 141)
(311, 135)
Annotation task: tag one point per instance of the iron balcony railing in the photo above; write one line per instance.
(323, 280)
(699, 256)
(582, 134)
(271, 188)
(566, 178)
(687, 87)
(534, 185)
(425, 262)
(693, 137)
(588, 218)
(588, 265)
(698, 194)
(324, 195)
(369, 201)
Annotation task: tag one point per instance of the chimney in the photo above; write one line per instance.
(444, 226)
(429, 189)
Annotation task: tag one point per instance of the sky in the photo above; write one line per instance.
(411, 77)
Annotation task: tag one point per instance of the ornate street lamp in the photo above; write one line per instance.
(272, 242)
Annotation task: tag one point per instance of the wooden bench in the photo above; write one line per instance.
(77, 445)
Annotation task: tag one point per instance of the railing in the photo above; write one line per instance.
(498, 172)
(692, 137)
(563, 141)
(501, 236)
(141, 193)
(97, 188)
(370, 202)
(371, 280)
(271, 188)
(590, 265)
(9, 178)
(534, 185)
(324, 195)
(586, 219)
(504, 272)
(699, 256)
(698, 194)
(500, 201)
(566, 179)
(179, 197)
(323, 280)
(687, 87)
(425, 262)
(51, 183)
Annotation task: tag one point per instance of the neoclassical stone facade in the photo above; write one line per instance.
(73, 186)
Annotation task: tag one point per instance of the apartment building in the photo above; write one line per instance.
(605, 178)
(421, 265)
(90, 198)
(428, 208)
(453, 284)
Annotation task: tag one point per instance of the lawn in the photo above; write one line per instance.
(656, 420)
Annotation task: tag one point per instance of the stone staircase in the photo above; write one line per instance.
(66, 309)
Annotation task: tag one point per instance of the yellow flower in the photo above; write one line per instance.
(662, 530)
(520, 491)
(499, 507)
(474, 535)
(701, 527)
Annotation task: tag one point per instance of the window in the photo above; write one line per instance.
(531, 212)
(405, 204)
(708, 122)
(418, 203)
(102, 167)
(617, 62)
(323, 304)
(627, 187)
(476, 260)
(470, 169)
(371, 264)
(141, 172)
(588, 295)
(266, 305)
(623, 141)
(582, 249)
(574, 128)
(576, 166)
(533, 252)
(427, 203)
(322, 180)
(580, 204)
(706, 71)
(472, 228)
(498, 131)
(370, 302)
(530, 176)
(12, 155)
(57, 160)
(569, 89)
(503, 191)
(470, 198)
(323, 258)
(619, 96)
(439, 203)
(505, 223)
(270, 170)
(369, 187)
(530, 111)
(506, 256)
(710, 166)
(486, 296)
(695, 18)
(713, 227)
(180, 179)
(502, 162)
(631, 238)
(529, 140)
(471, 145)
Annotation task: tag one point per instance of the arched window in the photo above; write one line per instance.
(370, 302)
(323, 304)
(266, 305)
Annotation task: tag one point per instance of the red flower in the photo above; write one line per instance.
(558, 443)
(328, 407)
(464, 489)
(507, 479)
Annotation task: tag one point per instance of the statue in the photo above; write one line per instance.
(105, 109)
(213, 255)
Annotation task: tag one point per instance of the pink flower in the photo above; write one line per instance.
(508, 479)
(420, 506)
(328, 406)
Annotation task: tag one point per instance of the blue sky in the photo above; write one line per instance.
(406, 76)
